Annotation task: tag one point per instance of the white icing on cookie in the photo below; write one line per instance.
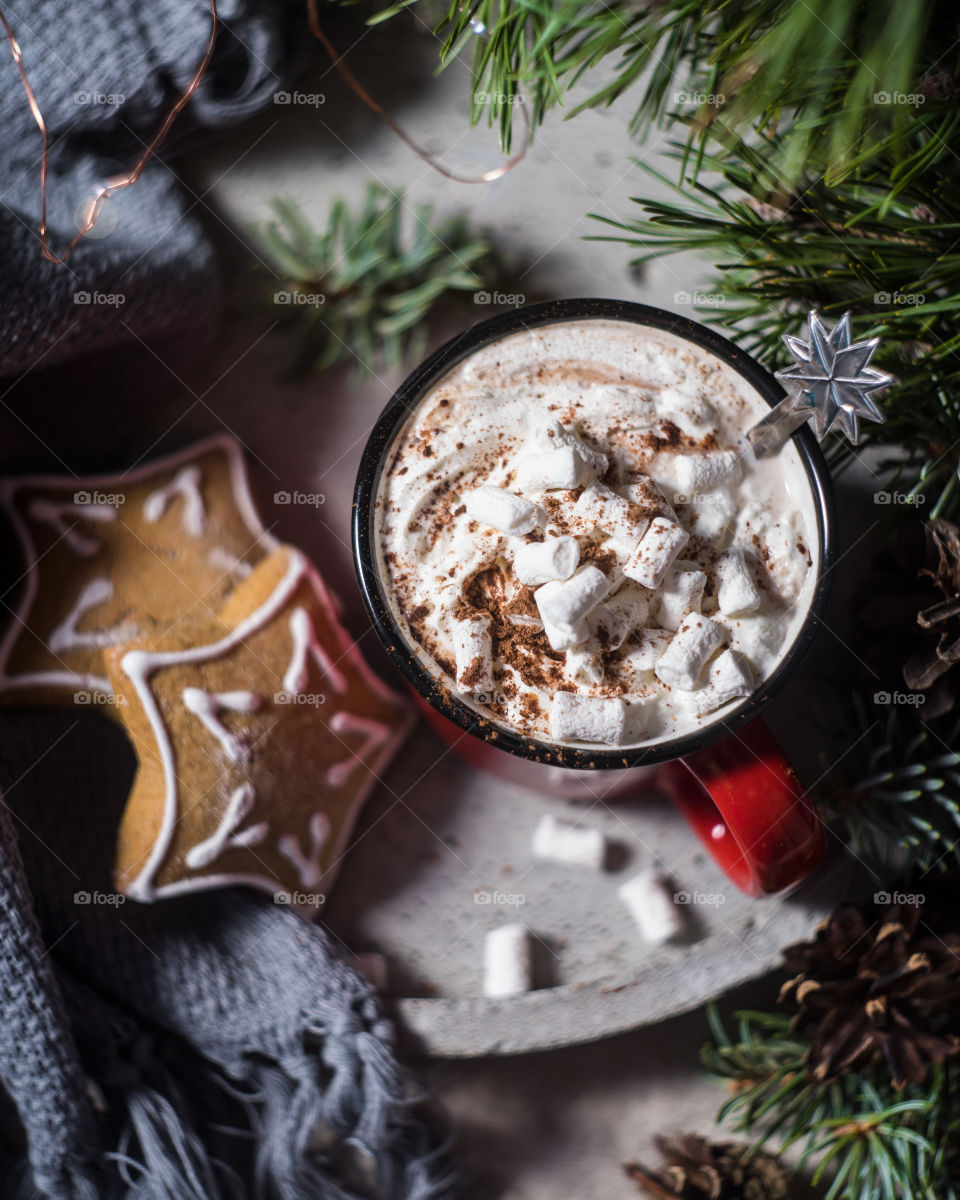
(59, 675)
(305, 642)
(230, 563)
(67, 636)
(228, 833)
(207, 706)
(308, 865)
(375, 733)
(139, 665)
(63, 518)
(186, 484)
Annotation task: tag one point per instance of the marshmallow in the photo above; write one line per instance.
(645, 494)
(649, 897)
(642, 656)
(539, 562)
(631, 601)
(560, 468)
(692, 413)
(518, 608)
(565, 842)
(608, 629)
(612, 621)
(501, 509)
(473, 646)
(737, 592)
(787, 565)
(728, 678)
(711, 516)
(583, 663)
(506, 961)
(658, 547)
(680, 593)
(559, 638)
(565, 639)
(551, 435)
(682, 663)
(777, 536)
(757, 637)
(704, 472)
(576, 718)
(564, 605)
(599, 506)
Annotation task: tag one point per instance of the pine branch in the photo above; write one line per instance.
(864, 1140)
(899, 804)
(892, 260)
(735, 62)
(363, 288)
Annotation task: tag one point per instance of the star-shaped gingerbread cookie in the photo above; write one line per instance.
(105, 556)
(258, 741)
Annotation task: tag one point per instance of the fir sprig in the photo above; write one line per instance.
(892, 260)
(864, 1139)
(362, 288)
(826, 64)
(899, 806)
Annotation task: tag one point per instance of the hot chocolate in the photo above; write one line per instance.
(575, 540)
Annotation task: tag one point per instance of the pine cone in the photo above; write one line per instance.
(877, 986)
(696, 1169)
(912, 605)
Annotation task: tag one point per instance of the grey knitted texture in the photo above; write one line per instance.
(78, 57)
(212, 1046)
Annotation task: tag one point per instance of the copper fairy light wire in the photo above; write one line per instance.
(125, 181)
(354, 84)
(96, 206)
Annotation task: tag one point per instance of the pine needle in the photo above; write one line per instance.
(363, 288)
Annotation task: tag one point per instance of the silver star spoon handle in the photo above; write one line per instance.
(770, 433)
(830, 381)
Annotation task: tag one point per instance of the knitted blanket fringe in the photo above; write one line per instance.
(301, 1120)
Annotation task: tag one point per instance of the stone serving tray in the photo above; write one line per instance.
(443, 854)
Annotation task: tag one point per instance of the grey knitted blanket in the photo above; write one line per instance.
(212, 1046)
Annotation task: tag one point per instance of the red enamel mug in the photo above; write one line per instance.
(728, 777)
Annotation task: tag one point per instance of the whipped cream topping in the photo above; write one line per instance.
(573, 540)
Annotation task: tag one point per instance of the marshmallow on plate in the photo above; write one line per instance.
(602, 508)
(539, 562)
(501, 510)
(681, 665)
(650, 899)
(737, 592)
(576, 718)
(656, 551)
(564, 605)
(506, 961)
(473, 647)
(680, 593)
(565, 842)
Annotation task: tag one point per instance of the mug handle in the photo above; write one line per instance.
(746, 804)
